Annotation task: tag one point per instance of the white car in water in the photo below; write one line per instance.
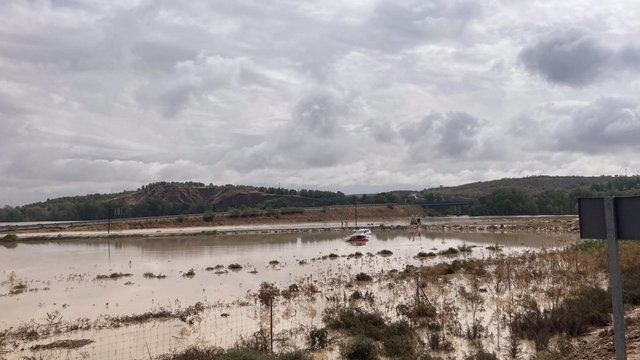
(360, 235)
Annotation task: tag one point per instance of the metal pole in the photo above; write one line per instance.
(615, 279)
(108, 220)
(271, 322)
(417, 287)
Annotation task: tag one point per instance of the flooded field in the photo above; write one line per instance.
(204, 288)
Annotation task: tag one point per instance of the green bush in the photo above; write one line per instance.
(209, 216)
(481, 354)
(355, 321)
(234, 213)
(422, 254)
(398, 340)
(363, 277)
(293, 355)
(449, 251)
(360, 348)
(291, 210)
(10, 238)
(578, 312)
(318, 338)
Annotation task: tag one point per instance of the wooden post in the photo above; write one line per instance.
(615, 279)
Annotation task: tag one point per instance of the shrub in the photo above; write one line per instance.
(588, 306)
(10, 238)
(363, 277)
(437, 342)
(194, 353)
(589, 245)
(356, 295)
(481, 354)
(190, 273)
(242, 354)
(234, 267)
(422, 254)
(293, 355)
(208, 216)
(291, 210)
(258, 341)
(360, 348)
(385, 252)
(150, 275)
(420, 310)
(356, 322)
(113, 276)
(180, 219)
(631, 287)
(234, 213)
(449, 251)
(318, 338)
(582, 309)
(267, 293)
(398, 340)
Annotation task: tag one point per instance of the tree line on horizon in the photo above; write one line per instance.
(502, 201)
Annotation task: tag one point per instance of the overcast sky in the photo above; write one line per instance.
(105, 95)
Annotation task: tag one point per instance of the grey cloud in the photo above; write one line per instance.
(608, 124)
(313, 137)
(104, 95)
(578, 58)
(458, 133)
(318, 115)
(570, 57)
(450, 135)
(401, 24)
(382, 131)
(630, 56)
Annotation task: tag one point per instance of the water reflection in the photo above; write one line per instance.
(68, 268)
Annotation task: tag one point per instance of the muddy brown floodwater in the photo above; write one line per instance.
(67, 280)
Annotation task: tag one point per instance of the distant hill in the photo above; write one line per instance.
(169, 198)
(532, 185)
(510, 196)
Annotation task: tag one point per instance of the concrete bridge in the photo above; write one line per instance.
(458, 204)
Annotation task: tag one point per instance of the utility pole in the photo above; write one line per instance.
(615, 279)
(109, 220)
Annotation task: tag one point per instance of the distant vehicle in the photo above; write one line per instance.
(361, 235)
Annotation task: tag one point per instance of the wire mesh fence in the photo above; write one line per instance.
(222, 327)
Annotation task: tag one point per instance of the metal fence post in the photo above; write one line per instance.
(417, 287)
(615, 279)
(271, 322)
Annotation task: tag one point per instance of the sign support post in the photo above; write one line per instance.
(615, 279)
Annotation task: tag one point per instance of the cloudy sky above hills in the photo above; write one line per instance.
(360, 95)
